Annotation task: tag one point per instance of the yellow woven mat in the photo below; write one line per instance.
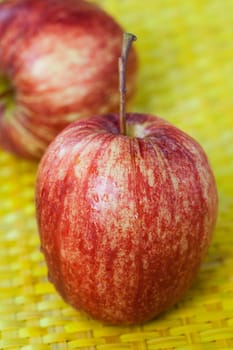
(186, 71)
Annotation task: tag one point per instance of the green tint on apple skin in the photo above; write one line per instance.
(7, 97)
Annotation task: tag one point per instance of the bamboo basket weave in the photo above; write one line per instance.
(186, 77)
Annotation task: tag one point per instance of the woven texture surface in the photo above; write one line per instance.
(186, 69)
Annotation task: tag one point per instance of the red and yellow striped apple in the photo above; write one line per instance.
(126, 207)
(58, 63)
(124, 220)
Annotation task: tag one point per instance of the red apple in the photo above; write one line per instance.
(58, 63)
(124, 221)
(126, 206)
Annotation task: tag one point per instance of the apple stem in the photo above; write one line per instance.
(128, 39)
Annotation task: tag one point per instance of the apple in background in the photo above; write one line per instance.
(58, 63)
(126, 206)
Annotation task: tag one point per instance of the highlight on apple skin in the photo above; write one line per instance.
(124, 220)
(58, 63)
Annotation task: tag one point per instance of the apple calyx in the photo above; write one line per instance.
(128, 39)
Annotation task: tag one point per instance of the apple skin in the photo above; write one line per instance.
(58, 63)
(124, 221)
